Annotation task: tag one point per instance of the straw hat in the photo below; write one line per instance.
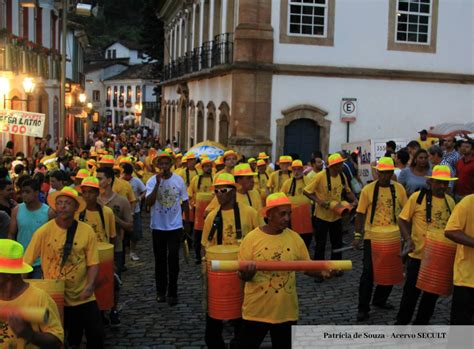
(91, 182)
(161, 155)
(334, 159)
(81, 174)
(219, 160)
(178, 156)
(297, 163)
(140, 164)
(250, 160)
(11, 258)
(275, 200)
(205, 160)
(91, 162)
(70, 192)
(230, 153)
(263, 156)
(441, 173)
(107, 160)
(242, 170)
(285, 159)
(385, 164)
(224, 179)
(261, 163)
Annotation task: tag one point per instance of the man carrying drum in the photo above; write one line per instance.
(226, 225)
(460, 229)
(424, 217)
(230, 159)
(262, 179)
(68, 251)
(270, 298)
(15, 330)
(380, 204)
(277, 178)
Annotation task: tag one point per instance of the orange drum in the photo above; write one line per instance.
(55, 289)
(386, 259)
(104, 290)
(202, 200)
(301, 218)
(436, 269)
(225, 294)
(342, 208)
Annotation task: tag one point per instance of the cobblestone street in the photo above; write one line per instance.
(147, 324)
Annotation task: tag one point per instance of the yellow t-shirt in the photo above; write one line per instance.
(122, 187)
(276, 180)
(416, 215)
(462, 219)
(50, 161)
(93, 219)
(204, 191)
(271, 295)
(249, 220)
(319, 187)
(428, 143)
(311, 175)
(48, 243)
(269, 170)
(31, 297)
(192, 174)
(299, 186)
(383, 217)
(255, 200)
(261, 181)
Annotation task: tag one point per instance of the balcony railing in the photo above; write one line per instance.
(151, 110)
(211, 54)
(22, 57)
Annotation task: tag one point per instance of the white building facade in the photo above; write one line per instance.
(408, 64)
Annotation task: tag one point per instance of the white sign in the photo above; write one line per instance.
(349, 109)
(22, 123)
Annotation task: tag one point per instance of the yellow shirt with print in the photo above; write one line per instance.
(255, 200)
(311, 175)
(93, 219)
(271, 295)
(249, 220)
(261, 180)
(204, 191)
(462, 219)
(269, 170)
(428, 143)
(50, 161)
(276, 180)
(122, 187)
(31, 297)
(383, 217)
(319, 187)
(48, 243)
(416, 215)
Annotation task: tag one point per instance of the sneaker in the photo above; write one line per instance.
(172, 301)
(114, 318)
(134, 257)
(362, 316)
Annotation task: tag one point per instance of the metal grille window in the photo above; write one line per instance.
(308, 18)
(95, 96)
(413, 25)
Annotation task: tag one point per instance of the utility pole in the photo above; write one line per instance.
(62, 114)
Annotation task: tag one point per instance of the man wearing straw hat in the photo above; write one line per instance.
(426, 212)
(200, 194)
(230, 159)
(167, 195)
(379, 206)
(327, 187)
(268, 167)
(460, 229)
(226, 225)
(18, 328)
(262, 179)
(277, 178)
(68, 251)
(270, 298)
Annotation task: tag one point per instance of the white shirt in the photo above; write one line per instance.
(166, 212)
(138, 188)
(99, 145)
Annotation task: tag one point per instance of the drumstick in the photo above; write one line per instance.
(33, 315)
(347, 248)
(282, 265)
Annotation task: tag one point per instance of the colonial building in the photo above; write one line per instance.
(273, 75)
(30, 46)
(120, 84)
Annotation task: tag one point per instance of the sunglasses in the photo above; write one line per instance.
(223, 190)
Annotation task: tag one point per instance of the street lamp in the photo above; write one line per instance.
(29, 85)
(28, 3)
(82, 98)
(89, 106)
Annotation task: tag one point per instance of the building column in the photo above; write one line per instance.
(180, 36)
(186, 32)
(175, 40)
(211, 20)
(224, 17)
(201, 22)
(192, 34)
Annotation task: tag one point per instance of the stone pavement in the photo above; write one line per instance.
(147, 324)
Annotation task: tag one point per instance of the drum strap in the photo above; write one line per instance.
(328, 180)
(376, 197)
(429, 202)
(217, 225)
(71, 232)
(293, 187)
(200, 179)
(249, 199)
(82, 216)
(280, 174)
(187, 177)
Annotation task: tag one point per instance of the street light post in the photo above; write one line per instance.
(62, 114)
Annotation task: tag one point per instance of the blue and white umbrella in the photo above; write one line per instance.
(209, 148)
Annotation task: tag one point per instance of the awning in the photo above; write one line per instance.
(451, 129)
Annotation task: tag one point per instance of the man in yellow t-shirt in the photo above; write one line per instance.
(317, 163)
(230, 159)
(426, 211)
(277, 178)
(200, 194)
(262, 179)
(329, 186)
(379, 205)
(301, 215)
(226, 225)
(245, 178)
(425, 141)
(270, 298)
(68, 251)
(15, 294)
(460, 229)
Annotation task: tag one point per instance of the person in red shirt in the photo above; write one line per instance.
(465, 171)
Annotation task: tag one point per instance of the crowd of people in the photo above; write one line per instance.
(63, 205)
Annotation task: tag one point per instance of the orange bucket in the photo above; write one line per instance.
(104, 290)
(224, 289)
(386, 259)
(201, 203)
(301, 219)
(436, 269)
(55, 289)
(342, 208)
